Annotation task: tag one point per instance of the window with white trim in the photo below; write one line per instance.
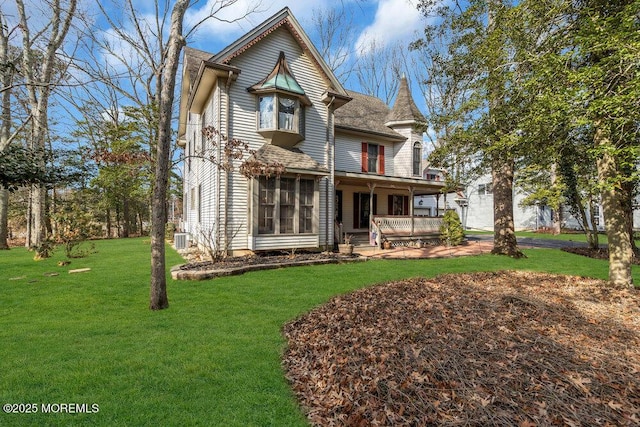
(485, 189)
(279, 112)
(372, 158)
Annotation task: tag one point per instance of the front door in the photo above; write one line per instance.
(362, 209)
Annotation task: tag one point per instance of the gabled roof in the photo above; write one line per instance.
(192, 60)
(200, 66)
(292, 159)
(285, 19)
(404, 108)
(365, 113)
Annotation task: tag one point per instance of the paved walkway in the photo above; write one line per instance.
(476, 245)
(470, 248)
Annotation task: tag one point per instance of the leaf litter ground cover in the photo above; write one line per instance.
(501, 348)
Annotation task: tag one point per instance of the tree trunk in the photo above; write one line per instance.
(126, 224)
(158, 293)
(37, 221)
(628, 191)
(6, 73)
(504, 238)
(108, 223)
(4, 218)
(591, 229)
(556, 218)
(613, 209)
(502, 163)
(39, 87)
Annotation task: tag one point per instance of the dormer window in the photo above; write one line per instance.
(280, 106)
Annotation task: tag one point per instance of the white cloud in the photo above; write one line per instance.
(395, 20)
(215, 34)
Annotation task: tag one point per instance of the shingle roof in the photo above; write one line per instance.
(192, 60)
(366, 114)
(290, 158)
(404, 108)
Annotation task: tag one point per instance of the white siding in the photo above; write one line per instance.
(263, 243)
(349, 153)
(403, 151)
(255, 64)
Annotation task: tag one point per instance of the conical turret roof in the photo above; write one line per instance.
(404, 109)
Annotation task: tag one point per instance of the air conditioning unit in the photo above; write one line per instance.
(180, 240)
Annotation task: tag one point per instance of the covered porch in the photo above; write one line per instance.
(378, 208)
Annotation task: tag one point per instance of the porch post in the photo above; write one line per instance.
(372, 187)
(411, 192)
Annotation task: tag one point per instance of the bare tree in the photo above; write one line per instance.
(8, 69)
(379, 68)
(39, 63)
(143, 54)
(333, 30)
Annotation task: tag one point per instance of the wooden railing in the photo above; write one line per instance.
(405, 227)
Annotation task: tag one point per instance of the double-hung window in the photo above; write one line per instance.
(373, 158)
(266, 209)
(307, 194)
(485, 189)
(287, 205)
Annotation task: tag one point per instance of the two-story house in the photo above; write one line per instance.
(346, 161)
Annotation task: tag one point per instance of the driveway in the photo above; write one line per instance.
(532, 242)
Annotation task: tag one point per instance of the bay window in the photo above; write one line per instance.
(278, 112)
(290, 200)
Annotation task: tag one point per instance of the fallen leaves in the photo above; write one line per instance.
(506, 348)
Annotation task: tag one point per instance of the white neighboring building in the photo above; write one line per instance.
(475, 209)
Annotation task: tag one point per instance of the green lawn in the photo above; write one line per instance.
(212, 358)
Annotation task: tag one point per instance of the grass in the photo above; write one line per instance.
(212, 358)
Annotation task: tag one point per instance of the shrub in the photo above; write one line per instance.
(73, 226)
(451, 231)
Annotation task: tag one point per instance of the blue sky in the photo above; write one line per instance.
(386, 20)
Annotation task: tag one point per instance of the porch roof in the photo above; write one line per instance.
(420, 186)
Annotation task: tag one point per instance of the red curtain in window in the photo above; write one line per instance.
(381, 159)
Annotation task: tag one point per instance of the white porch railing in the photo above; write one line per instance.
(404, 227)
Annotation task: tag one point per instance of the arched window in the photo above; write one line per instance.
(417, 158)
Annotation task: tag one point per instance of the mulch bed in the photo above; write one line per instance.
(601, 253)
(504, 348)
(263, 258)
